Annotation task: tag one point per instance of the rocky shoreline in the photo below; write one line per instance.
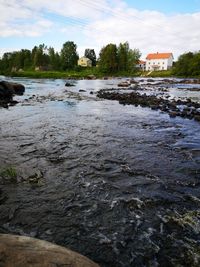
(7, 91)
(186, 109)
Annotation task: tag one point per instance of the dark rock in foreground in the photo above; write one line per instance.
(7, 90)
(18, 251)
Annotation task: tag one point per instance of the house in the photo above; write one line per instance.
(159, 61)
(84, 62)
(141, 65)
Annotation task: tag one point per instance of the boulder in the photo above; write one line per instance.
(18, 88)
(18, 251)
(6, 91)
(91, 77)
(123, 84)
(69, 84)
(12, 88)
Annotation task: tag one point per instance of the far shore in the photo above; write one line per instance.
(84, 74)
(92, 74)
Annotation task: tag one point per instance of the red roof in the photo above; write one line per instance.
(141, 62)
(159, 56)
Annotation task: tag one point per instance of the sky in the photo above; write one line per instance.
(148, 25)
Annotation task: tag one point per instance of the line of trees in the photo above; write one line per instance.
(188, 65)
(40, 57)
(111, 59)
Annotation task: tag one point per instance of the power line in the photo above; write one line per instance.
(118, 15)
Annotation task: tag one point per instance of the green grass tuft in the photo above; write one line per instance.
(9, 173)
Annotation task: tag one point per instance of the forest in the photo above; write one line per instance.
(188, 65)
(112, 59)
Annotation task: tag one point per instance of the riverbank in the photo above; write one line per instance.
(86, 73)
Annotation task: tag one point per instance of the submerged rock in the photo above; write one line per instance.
(91, 77)
(69, 84)
(17, 251)
(124, 84)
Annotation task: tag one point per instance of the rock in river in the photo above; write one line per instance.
(17, 251)
(7, 90)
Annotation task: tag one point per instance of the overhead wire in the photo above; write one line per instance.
(109, 10)
(85, 23)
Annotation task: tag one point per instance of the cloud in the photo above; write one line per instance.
(99, 23)
(21, 21)
(150, 31)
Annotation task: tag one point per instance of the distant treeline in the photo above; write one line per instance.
(188, 65)
(112, 58)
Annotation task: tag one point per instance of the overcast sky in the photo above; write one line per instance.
(149, 25)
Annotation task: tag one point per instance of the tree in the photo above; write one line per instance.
(133, 58)
(40, 56)
(127, 58)
(123, 51)
(90, 53)
(54, 59)
(6, 62)
(69, 55)
(183, 65)
(108, 62)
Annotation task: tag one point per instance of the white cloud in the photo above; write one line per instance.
(100, 23)
(149, 31)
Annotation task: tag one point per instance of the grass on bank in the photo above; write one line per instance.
(157, 74)
(87, 72)
(73, 74)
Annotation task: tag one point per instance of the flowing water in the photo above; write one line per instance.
(119, 184)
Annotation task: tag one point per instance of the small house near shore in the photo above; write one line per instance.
(84, 62)
(159, 61)
(141, 65)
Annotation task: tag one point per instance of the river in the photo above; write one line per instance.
(118, 184)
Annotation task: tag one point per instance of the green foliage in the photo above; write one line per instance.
(161, 73)
(113, 60)
(9, 174)
(108, 62)
(123, 51)
(188, 65)
(69, 55)
(77, 72)
(90, 53)
(54, 59)
(119, 59)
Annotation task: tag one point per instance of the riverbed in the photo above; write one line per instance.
(119, 184)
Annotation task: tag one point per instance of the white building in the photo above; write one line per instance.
(159, 61)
